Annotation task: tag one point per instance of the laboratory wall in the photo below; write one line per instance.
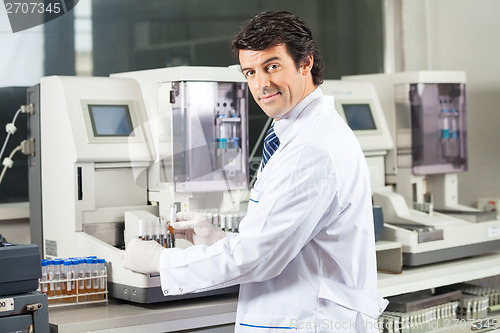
(21, 55)
(463, 35)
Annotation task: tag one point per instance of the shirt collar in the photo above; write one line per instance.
(286, 122)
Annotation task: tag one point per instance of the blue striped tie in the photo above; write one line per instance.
(271, 144)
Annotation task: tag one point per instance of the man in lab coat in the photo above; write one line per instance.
(304, 256)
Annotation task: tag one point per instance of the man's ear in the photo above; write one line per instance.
(307, 65)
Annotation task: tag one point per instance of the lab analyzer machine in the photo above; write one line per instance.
(116, 158)
(358, 104)
(199, 120)
(426, 117)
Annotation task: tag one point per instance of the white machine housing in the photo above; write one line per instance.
(160, 87)
(427, 236)
(91, 175)
(106, 149)
(358, 104)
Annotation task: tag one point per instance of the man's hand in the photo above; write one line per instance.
(142, 256)
(198, 229)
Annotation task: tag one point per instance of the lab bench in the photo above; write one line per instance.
(439, 274)
(205, 314)
(218, 313)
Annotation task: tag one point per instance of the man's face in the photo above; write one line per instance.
(274, 81)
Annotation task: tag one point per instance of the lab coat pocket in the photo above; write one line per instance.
(259, 323)
(352, 298)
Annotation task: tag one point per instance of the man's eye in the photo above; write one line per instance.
(249, 73)
(272, 67)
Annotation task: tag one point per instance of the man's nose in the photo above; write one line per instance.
(261, 81)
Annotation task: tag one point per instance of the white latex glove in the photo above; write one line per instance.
(198, 229)
(142, 256)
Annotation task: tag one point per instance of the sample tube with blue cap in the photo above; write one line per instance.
(44, 286)
(82, 267)
(95, 279)
(102, 279)
(74, 273)
(58, 262)
(88, 276)
(66, 283)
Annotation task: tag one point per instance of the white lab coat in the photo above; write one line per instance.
(305, 253)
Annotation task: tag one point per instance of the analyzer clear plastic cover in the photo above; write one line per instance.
(431, 122)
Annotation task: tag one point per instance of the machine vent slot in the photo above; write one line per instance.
(80, 188)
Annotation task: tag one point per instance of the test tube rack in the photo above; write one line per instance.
(76, 297)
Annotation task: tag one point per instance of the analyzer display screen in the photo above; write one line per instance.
(110, 120)
(359, 116)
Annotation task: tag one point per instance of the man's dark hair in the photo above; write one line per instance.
(271, 29)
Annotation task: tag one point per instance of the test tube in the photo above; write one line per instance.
(142, 228)
(57, 279)
(229, 222)
(95, 279)
(102, 278)
(82, 265)
(222, 218)
(66, 288)
(234, 223)
(170, 229)
(88, 277)
(50, 278)
(74, 276)
(43, 280)
(163, 232)
(173, 213)
(215, 218)
(150, 229)
(170, 236)
(157, 231)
